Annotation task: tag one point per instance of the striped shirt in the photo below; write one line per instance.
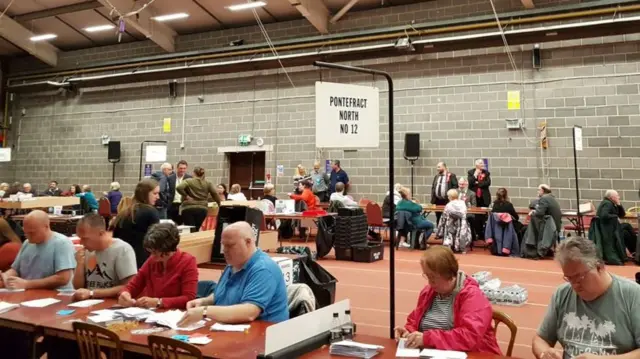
(439, 314)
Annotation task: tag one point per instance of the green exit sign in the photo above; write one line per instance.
(244, 140)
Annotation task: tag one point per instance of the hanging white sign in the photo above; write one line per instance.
(347, 116)
(5, 154)
(156, 153)
(577, 135)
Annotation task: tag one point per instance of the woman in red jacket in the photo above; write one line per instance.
(168, 279)
(307, 195)
(452, 311)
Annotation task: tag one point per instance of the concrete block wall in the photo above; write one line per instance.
(457, 101)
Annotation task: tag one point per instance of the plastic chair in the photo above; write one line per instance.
(363, 202)
(501, 317)
(104, 207)
(167, 348)
(89, 337)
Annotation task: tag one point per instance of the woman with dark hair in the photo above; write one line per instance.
(72, 191)
(132, 223)
(502, 204)
(168, 279)
(307, 195)
(222, 191)
(195, 192)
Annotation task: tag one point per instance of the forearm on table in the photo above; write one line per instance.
(52, 282)
(108, 292)
(234, 314)
(539, 346)
(78, 277)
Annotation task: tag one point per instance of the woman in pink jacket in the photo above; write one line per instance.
(452, 312)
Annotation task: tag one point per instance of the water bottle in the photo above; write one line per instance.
(336, 330)
(347, 326)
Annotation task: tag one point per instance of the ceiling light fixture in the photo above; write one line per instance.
(43, 37)
(99, 28)
(169, 17)
(246, 5)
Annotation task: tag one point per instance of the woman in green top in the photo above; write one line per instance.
(418, 221)
(195, 193)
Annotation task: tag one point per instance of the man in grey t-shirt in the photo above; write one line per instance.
(105, 265)
(45, 260)
(595, 314)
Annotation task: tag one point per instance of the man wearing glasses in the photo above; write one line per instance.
(595, 314)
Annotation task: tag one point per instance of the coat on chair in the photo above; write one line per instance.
(500, 231)
(453, 227)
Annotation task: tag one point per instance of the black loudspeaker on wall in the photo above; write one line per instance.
(173, 89)
(411, 145)
(114, 151)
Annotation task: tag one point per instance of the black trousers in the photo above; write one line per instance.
(174, 213)
(440, 202)
(194, 217)
(480, 220)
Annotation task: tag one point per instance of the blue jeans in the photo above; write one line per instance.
(426, 226)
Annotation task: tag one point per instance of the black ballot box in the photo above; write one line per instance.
(232, 214)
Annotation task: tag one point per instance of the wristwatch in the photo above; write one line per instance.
(91, 294)
(204, 312)
(159, 305)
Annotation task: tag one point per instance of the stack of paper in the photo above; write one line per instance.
(230, 327)
(354, 349)
(134, 313)
(7, 290)
(40, 303)
(171, 318)
(404, 352)
(5, 307)
(442, 354)
(86, 303)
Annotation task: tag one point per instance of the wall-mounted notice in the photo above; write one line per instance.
(280, 171)
(156, 153)
(166, 125)
(5, 154)
(513, 100)
(148, 168)
(347, 116)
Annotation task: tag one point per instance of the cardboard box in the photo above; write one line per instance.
(286, 266)
(268, 241)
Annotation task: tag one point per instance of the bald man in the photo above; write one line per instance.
(251, 286)
(45, 261)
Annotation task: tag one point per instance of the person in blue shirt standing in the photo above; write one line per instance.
(251, 287)
(338, 175)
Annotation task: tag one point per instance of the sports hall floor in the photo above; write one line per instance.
(367, 286)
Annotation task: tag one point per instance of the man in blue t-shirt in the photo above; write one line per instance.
(338, 175)
(251, 286)
(45, 261)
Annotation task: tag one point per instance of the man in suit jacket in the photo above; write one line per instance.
(53, 190)
(442, 182)
(479, 183)
(175, 199)
(164, 199)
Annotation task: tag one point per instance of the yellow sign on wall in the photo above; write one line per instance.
(513, 100)
(166, 125)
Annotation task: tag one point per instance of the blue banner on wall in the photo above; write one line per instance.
(327, 166)
(148, 168)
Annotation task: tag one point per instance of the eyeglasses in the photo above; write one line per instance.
(578, 278)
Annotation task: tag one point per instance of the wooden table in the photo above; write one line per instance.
(297, 216)
(389, 350)
(41, 202)
(223, 265)
(45, 320)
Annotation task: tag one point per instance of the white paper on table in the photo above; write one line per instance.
(171, 318)
(66, 293)
(105, 313)
(404, 352)
(5, 307)
(230, 327)
(8, 290)
(200, 340)
(86, 303)
(40, 303)
(349, 343)
(442, 354)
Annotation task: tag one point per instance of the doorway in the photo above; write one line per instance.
(245, 168)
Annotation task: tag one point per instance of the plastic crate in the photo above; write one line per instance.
(371, 252)
(344, 253)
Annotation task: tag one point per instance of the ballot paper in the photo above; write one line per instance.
(354, 349)
(86, 303)
(442, 354)
(218, 327)
(66, 293)
(134, 313)
(171, 318)
(5, 307)
(404, 352)
(8, 290)
(40, 303)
